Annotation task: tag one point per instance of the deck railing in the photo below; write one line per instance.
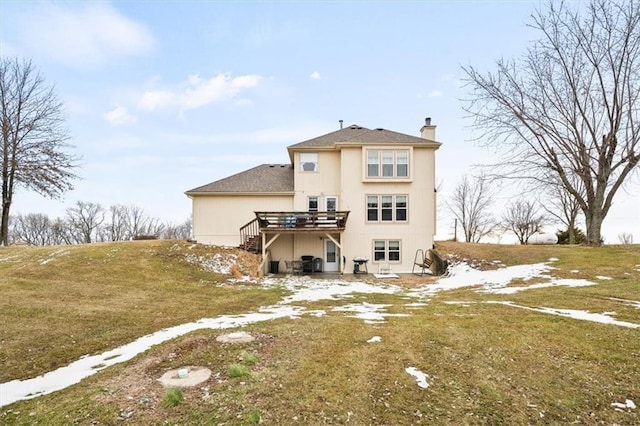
(249, 236)
(302, 221)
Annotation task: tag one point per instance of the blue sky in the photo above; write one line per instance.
(162, 97)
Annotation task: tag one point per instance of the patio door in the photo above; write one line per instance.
(331, 256)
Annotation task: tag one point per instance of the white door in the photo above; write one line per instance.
(331, 205)
(331, 256)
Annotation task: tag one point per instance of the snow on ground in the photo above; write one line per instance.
(86, 366)
(600, 277)
(375, 339)
(369, 312)
(462, 275)
(421, 378)
(553, 283)
(218, 263)
(304, 289)
(635, 304)
(627, 404)
(53, 255)
(603, 318)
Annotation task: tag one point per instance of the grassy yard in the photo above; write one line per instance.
(487, 362)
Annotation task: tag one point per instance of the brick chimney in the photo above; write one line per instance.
(428, 131)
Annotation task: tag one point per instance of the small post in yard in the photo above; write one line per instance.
(455, 229)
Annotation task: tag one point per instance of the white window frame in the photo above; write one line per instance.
(317, 200)
(309, 162)
(386, 250)
(387, 163)
(380, 209)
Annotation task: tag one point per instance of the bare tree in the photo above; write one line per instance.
(524, 219)
(180, 231)
(32, 228)
(137, 221)
(564, 207)
(117, 228)
(61, 232)
(470, 204)
(84, 221)
(625, 238)
(570, 106)
(34, 138)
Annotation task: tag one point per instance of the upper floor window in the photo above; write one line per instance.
(386, 208)
(309, 161)
(388, 163)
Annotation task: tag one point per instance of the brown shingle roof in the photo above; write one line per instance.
(264, 178)
(355, 134)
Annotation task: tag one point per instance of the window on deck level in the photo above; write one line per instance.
(313, 204)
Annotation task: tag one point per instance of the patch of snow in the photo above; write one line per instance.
(603, 318)
(463, 304)
(633, 303)
(553, 259)
(600, 277)
(375, 339)
(553, 283)
(462, 275)
(415, 305)
(369, 312)
(86, 366)
(574, 271)
(4, 259)
(53, 255)
(421, 378)
(306, 289)
(627, 404)
(217, 263)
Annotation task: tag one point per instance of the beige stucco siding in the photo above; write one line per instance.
(217, 218)
(322, 183)
(416, 233)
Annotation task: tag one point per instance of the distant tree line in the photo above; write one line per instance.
(472, 205)
(87, 222)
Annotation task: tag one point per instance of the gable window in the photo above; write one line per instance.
(387, 208)
(309, 161)
(386, 250)
(312, 203)
(386, 163)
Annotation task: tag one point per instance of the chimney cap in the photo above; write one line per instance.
(427, 121)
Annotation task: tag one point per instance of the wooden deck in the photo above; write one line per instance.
(298, 222)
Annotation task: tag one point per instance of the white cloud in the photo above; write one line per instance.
(196, 92)
(119, 116)
(315, 75)
(88, 35)
(434, 94)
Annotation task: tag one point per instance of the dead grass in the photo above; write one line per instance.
(487, 363)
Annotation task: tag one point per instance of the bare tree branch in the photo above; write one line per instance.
(34, 138)
(570, 107)
(470, 204)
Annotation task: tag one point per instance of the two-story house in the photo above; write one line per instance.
(355, 193)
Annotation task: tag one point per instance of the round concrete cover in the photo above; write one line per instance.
(195, 376)
(237, 337)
